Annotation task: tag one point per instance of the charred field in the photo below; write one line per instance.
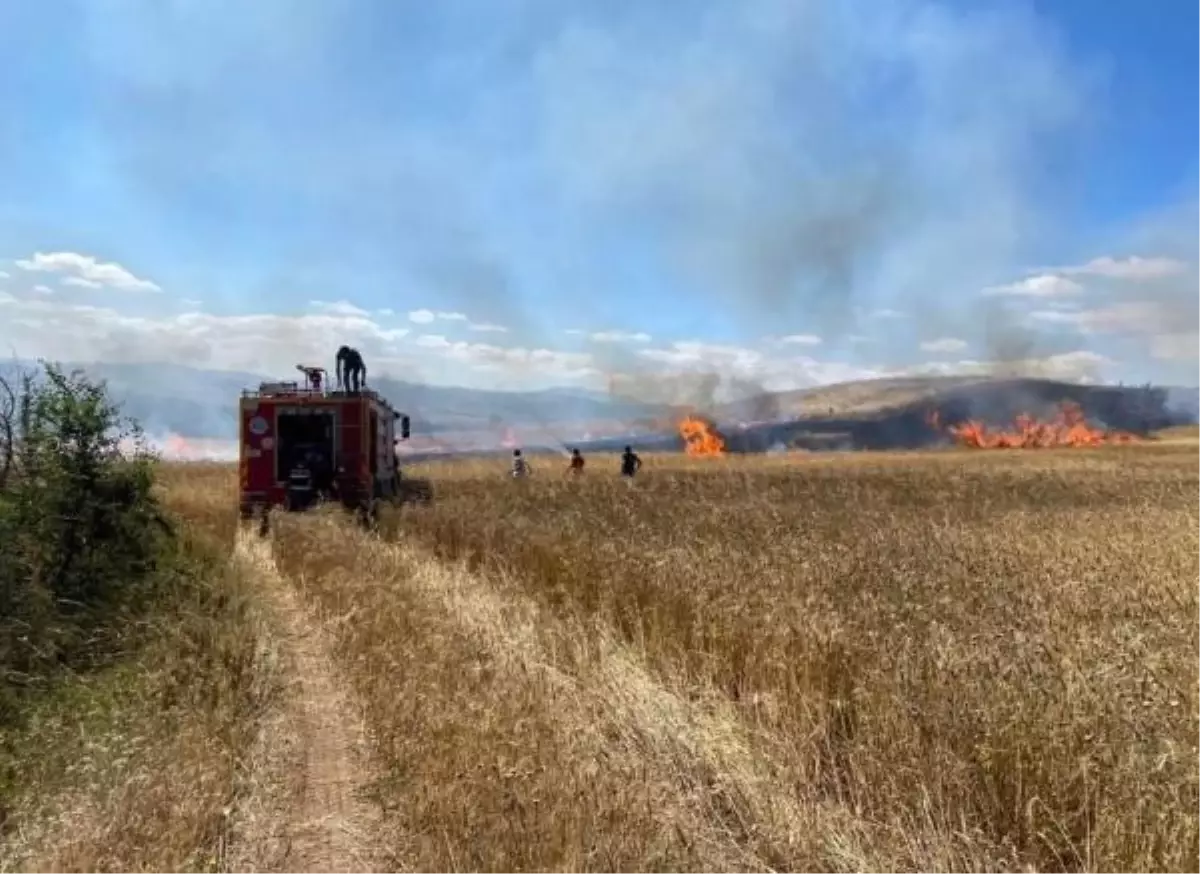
(954, 660)
(894, 414)
(904, 424)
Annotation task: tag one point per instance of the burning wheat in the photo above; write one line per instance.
(701, 438)
(1068, 428)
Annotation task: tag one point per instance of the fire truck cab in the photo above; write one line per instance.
(344, 441)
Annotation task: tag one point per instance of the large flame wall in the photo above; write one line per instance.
(1068, 428)
(701, 438)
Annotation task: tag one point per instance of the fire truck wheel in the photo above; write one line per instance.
(368, 514)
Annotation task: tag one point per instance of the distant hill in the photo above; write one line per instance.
(175, 399)
(892, 413)
(881, 413)
(867, 396)
(870, 397)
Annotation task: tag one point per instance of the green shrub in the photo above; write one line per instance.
(82, 537)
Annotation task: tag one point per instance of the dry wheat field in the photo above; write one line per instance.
(936, 661)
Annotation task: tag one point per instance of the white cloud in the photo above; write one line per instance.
(1134, 317)
(85, 271)
(801, 339)
(681, 369)
(885, 313)
(48, 327)
(43, 289)
(337, 307)
(427, 317)
(191, 302)
(1156, 323)
(575, 332)
(696, 352)
(386, 311)
(1183, 346)
(1133, 267)
(740, 364)
(1069, 366)
(273, 344)
(487, 328)
(258, 343)
(519, 360)
(1042, 285)
(944, 344)
(4, 275)
(619, 337)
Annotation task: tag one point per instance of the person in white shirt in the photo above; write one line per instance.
(520, 467)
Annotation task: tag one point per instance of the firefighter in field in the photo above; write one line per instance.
(322, 473)
(576, 465)
(631, 463)
(520, 467)
(299, 486)
(396, 476)
(335, 484)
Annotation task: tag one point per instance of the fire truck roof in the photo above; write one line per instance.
(291, 393)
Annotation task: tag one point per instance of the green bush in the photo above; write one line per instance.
(83, 540)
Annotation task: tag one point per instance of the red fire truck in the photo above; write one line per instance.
(345, 441)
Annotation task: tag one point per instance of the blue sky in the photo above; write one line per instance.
(780, 192)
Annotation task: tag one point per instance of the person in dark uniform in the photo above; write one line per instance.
(299, 486)
(313, 375)
(631, 463)
(576, 466)
(351, 371)
(322, 473)
(396, 486)
(335, 484)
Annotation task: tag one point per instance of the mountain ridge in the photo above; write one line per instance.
(200, 403)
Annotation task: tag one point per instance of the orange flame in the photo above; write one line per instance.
(701, 437)
(1068, 428)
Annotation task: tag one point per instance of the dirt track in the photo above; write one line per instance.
(303, 810)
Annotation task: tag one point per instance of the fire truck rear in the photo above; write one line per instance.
(341, 446)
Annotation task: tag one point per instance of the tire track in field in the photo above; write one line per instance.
(303, 811)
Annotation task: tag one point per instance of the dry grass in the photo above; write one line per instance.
(922, 661)
(135, 767)
(201, 494)
(993, 656)
(1180, 434)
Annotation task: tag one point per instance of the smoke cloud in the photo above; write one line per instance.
(751, 168)
(799, 159)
